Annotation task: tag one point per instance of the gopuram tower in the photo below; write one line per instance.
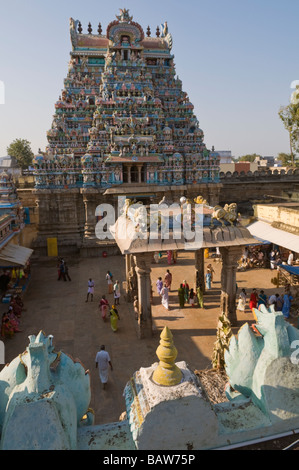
(123, 126)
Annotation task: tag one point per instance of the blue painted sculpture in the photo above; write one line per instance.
(263, 366)
(50, 388)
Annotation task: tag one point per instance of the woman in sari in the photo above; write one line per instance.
(242, 301)
(109, 282)
(168, 279)
(114, 317)
(262, 299)
(253, 299)
(159, 285)
(181, 294)
(208, 280)
(199, 294)
(191, 297)
(186, 291)
(164, 294)
(104, 306)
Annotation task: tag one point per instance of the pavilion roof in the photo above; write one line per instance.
(212, 237)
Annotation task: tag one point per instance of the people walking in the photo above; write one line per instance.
(104, 304)
(186, 291)
(191, 297)
(116, 291)
(165, 299)
(211, 270)
(114, 317)
(262, 299)
(66, 272)
(103, 362)
(109, 282)
(181, 294)
(199, 294)
(159, 285)
(253, 299)
(208, 280)
(61, 272)
(168, 279)
(242, 301)
(90, 290)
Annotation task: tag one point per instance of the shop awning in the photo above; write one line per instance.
(14, 255)
(290, 269)
(279, 237)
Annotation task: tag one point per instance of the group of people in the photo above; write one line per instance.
(63, 270)
(281, 302)
(104, 303)
(12, 318)
(185, 294)
(188, 296)
(261, 259)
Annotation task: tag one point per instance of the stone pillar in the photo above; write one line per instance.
(89, 199)
(230, 256)
(139, 173)
(129, 173)
(199, 269)
(143, 270)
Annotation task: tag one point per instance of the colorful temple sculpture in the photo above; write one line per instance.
(122, 125)
(45, 397)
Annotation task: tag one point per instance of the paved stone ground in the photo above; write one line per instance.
(59, 308)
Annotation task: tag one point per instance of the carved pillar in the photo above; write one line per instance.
(143, 270)
(199, 269)
(131, 278)
(230, 256)
(90, 205)
(129, 173)
(139, 173)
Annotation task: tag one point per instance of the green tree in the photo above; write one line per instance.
(285, 158)
(249, 158)
(20, 149)
(290, 118)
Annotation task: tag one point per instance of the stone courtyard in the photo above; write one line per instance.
(59, 308)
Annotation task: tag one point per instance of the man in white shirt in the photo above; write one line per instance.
(103, 361)
(290, 258)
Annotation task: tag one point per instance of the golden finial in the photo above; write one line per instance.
(167, 373)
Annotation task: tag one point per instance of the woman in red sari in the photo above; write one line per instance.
(253, 299)
(104, 304)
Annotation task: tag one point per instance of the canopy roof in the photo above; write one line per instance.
(129, 242)
(14, 255)
(279, 237)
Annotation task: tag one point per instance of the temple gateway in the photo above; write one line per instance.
(123, 126)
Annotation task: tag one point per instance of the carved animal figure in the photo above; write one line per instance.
(227, 213)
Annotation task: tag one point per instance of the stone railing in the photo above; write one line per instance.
(291, 174)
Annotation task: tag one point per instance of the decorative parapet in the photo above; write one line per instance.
(271, 175)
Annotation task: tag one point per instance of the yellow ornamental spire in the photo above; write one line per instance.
(167, 373)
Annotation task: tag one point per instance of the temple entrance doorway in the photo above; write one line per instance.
(134, 174)
(125, 174)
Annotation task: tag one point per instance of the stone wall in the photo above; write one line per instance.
(249, 188)
(69, 214)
